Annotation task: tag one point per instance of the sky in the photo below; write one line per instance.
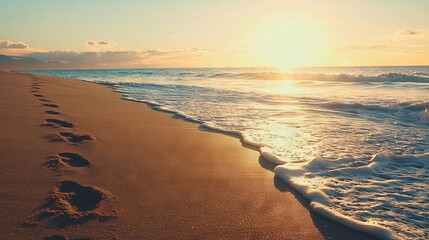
(216, 33)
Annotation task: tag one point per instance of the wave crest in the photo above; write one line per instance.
(385, 77)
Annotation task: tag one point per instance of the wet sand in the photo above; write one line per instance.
(77, 162)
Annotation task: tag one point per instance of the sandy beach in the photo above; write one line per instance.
(77, 162)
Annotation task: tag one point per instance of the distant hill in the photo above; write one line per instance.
(21, 63)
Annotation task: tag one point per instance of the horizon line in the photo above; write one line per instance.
(295, 67)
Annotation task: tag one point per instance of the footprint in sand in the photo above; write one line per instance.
(50, 105)
(52, 112)
(56, 123)
(71, 137)
(65, 159)
(55, 237)
(38, 95)
(44, 100)
(61, 237)
(71, 203)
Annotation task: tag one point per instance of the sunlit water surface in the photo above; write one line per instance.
(353, 140)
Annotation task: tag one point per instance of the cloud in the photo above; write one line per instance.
(202, 49)
(100, 43)
(406, 40)
(365, 47)
(6, 44)
(86, 57)
(100, 46)
(102, 54)
(414, 33)
(120, 58)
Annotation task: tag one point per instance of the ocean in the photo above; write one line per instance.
(352, 140)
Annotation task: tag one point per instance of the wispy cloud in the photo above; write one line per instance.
(104, 43)
(100, 46)
(6, 44)
(414, 33)
(100, 43)
(365, 47)
(405, 41)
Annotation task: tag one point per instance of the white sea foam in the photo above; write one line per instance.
(381, 177)
(321, 128)
(370, 228)
(211, 126)
(269, 156)
(165, 109)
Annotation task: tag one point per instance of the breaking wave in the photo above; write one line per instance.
(385, 77)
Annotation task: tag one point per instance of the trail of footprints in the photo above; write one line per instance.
(68, 202)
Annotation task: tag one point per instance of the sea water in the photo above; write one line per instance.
(352, 140)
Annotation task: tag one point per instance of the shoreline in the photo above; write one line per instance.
(374, 230)
(118, 129)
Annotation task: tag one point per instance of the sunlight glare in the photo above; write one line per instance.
(286, 40)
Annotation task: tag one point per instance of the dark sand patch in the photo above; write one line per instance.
(73, 159)
(65, 159)
(50, 105)
(71, 203)
(70, 137)
(56, 123)
(61, 237)
(55, 237)
(52, 112)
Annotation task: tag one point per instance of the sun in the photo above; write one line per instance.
(285, 40)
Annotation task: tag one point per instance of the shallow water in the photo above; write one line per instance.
(350, 139)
